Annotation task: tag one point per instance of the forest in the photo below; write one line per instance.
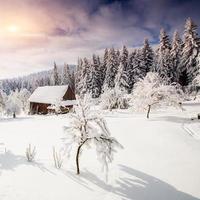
(116, 73)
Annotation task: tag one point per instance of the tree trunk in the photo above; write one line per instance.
(14, 115)
(77, 156)
(148, 112)
(77, 159)
(195, 95)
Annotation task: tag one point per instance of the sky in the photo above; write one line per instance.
(35, 33)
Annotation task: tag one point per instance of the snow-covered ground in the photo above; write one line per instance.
(160, 159)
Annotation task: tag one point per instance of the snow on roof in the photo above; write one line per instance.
(48, 94)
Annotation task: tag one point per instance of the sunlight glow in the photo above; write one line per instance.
(13, 28)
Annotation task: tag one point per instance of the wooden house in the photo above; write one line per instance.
(46, 99)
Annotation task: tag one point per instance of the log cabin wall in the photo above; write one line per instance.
(38, 108)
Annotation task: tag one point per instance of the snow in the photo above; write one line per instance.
(48, 94)
(193, 130)
(63, 103)
(160, 160)
(68, 103)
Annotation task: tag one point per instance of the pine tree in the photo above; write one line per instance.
(55, 75)
(163, 57)
(66, 76)
(73, 81)
(86, 77)
(131, 69)
(102, 73)
(112, 67)
(122, 78)
(82, 76)
(103, 68)
(96, 77)
(175, 55)
(147, 57)
(138, 72)
(190, 53)
(78, 76)
(118, 58)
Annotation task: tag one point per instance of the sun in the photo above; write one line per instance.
(13, 28)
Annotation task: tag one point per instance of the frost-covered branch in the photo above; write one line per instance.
(58, 159)
(88, 128)
(30, 153)
(114, 99)
(153, 91)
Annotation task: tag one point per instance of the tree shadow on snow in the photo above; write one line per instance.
(78, 179)
(136, 185)
(174, 119)
(10, 161)
(17, 119)
(142, 186)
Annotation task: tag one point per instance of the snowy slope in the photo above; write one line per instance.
(160, 160)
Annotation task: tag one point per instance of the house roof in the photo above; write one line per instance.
(49, 94)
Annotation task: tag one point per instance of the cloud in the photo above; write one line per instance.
(63, 30)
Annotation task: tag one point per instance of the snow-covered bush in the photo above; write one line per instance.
(88, 128)
(2, 102)
(194, 88)
(24, 95)
(196, 81)
(113, 99)
(57, 158)
(30, 153)
(17, 102)
(153, 91)
(13, 104)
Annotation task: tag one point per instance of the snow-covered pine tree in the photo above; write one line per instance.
(131, 69)
(86, 77)
(78, 76)
(66, 76)
(103, 68)
(112, 67)
(147, 57)
(118, 57)
(96, 77)
(122, 77)
(56, 80)
(163, 57)
(190, 53)
(72, 80)
(102, 73)
(138, 72)
(175, 54)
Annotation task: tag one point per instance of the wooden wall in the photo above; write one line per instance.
(69, 95)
